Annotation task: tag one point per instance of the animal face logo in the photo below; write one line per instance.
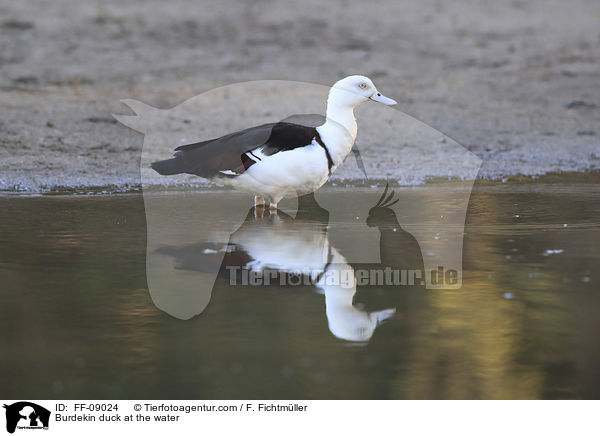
(194, 233)
(26, 415)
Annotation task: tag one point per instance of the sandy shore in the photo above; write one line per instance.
(515, 82)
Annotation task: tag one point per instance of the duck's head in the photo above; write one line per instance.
(354, 90)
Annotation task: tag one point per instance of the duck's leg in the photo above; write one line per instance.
(259, 200)
(273, 204)
(259, 212)
(259, 206)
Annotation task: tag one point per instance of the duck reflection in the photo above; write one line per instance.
(276, 250)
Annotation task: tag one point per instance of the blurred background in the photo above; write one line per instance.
(516, 82)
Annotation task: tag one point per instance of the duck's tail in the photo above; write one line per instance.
(168, 167)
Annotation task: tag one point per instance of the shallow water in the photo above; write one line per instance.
(78, 320)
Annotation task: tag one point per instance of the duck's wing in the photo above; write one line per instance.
(232, 154)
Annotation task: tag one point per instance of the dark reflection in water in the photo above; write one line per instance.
(77, 320)
(274, 250)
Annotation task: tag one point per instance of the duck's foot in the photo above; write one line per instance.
(259, 200)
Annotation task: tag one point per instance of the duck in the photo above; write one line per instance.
(282, 159)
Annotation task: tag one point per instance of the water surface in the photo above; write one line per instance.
(78, 320)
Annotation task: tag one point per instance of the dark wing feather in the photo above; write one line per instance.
(287, 136)
(252, 136)
(208, 158)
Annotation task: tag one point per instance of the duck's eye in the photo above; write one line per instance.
(362, 85)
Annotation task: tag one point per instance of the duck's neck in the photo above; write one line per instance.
(341, 114)
(339, 130)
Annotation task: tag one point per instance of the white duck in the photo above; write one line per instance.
(283, 159)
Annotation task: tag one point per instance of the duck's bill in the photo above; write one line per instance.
(383, 99)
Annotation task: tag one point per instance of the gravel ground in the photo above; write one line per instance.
(516, 82)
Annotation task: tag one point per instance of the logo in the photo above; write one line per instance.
(419, 232)
(26, 415)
